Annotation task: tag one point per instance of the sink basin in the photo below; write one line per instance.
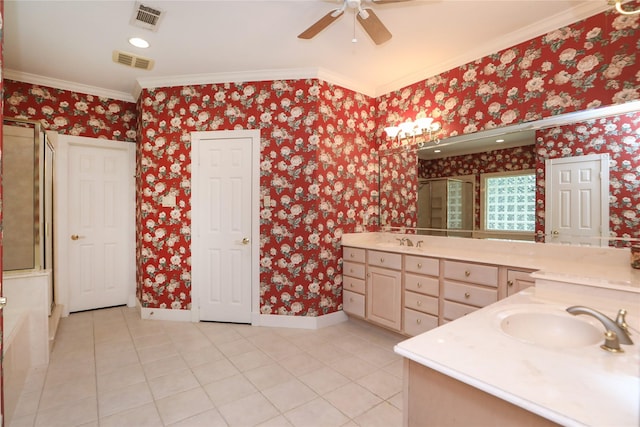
(551, 329)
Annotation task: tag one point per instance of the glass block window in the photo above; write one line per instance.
(510, 202)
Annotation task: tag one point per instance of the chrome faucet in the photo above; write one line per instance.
(618, 326)
(408, 241)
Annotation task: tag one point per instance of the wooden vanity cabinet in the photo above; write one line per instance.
(353, 281)
(384, 289)
(518, 280)
(467, 287)
(421, 294)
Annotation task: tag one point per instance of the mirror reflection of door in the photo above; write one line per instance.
(576, 202)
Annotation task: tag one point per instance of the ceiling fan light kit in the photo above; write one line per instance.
(370, 22)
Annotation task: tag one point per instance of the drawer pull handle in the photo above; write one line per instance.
(351, 270)
(381, 260)
(351, 284)
(351, 255)
(509, 282)
(419, 265)
(350, 299)
(467, 294)
(418, 321)
(419, 303)
(467, 273)
(419, 284)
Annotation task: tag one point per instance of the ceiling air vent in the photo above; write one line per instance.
(147, 17)
(131, 60)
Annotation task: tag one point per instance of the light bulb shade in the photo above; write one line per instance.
(407, 128)
(392, 131)
(424, 123)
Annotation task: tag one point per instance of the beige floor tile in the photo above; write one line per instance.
(352, 399)
(70, 414)
(301, 364)
(382, 384)
(108, 363)
(324, 380)
(183, 405)
(353, 367)
(214, 371)
(229, 389)
(316, 413)
(234, 348)
(383, 415)
(141, 416)
(165, 366)
(24, 421)
(289, 394)
(279, 421)
(122, 399)
(156, 352)
(268, 376)
(27, 404)
(250, 360)
(119, 378)
(248, 411)
(173, 383)
(73, 390)
(151, 340)
(210, 418)
(397, 400)
(209, 353)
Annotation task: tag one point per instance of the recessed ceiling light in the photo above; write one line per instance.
(138, 42)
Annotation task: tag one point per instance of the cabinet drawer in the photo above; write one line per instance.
(352, 269)
(353, 254)
(453, 310)
(353, 285)
(385, 259)
(468, 294)
(353, 303)
(423, 303)
(421, 284)
(422, 265)
(416, 323)
(472, 273)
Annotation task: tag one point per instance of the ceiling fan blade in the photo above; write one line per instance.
(321, 24)
(374, 27)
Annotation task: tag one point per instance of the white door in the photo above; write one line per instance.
(576, 202)
(223, 227)
(96, 223)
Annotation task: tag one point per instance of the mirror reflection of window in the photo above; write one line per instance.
(509, 201)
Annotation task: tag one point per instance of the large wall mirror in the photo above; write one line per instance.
(572, 179)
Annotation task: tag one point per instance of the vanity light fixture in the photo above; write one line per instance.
(423, 128)
(139, 42)
(618, 4)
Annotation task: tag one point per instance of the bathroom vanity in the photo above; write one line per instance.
(486, 368)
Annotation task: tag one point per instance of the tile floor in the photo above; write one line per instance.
(110, 368)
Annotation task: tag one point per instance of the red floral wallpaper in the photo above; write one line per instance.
(71, 113)
(316, 163)
(618, 136)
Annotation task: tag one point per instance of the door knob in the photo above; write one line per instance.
(76, 237)
(245, 241)
(555, 233)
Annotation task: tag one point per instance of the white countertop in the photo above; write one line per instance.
(594, 266)
(573, 387)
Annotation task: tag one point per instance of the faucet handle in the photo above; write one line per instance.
(419, 243)
(611, 342)
(401, 241)
(621, 320)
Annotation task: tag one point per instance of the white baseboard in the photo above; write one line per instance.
(300, 322)
(163, 314)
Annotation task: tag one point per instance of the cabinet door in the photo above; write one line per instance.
(518, 280)
(384, 297)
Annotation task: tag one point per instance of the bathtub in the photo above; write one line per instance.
(26, 340)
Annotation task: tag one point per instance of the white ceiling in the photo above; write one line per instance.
(69, 44)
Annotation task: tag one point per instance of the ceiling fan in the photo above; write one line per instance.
(366, 17)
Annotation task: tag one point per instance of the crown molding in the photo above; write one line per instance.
(568, 17)
(251, 76)
(66, 85)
